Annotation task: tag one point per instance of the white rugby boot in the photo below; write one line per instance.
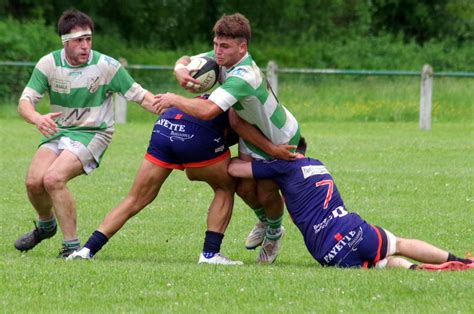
(256, 236)
(270, 249)
(83, 253)
(218, 259)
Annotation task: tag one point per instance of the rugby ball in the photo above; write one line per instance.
(206, 71)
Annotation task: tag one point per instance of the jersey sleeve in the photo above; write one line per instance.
(120, 80)
(124, 84)
(38, 83)
(229, 93)
(268, 169)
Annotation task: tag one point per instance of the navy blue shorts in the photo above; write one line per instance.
(363, 247)
(179, 144)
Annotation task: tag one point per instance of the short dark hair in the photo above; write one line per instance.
(233, 26)
(302, 146)
(72, 18)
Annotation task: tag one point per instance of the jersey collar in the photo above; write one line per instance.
(238, 63)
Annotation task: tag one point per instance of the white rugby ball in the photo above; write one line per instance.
(206, 71)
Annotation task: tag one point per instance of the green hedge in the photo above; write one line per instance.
(29, 41)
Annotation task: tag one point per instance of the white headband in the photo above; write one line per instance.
(71, 36)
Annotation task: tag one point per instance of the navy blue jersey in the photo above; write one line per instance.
(314, 204)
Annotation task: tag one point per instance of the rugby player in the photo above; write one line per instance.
(245, 89)
(333, 235)
(77, 131)
(201, 148)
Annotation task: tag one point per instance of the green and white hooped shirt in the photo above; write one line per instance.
(244, 88)
(83, 94)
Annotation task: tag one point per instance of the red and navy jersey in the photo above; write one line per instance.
(313, 201)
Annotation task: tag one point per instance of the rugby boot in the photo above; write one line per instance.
(66, 251)
(29, 240)
(270, 249)
(218, 259)
(256, 236)
(83, 253)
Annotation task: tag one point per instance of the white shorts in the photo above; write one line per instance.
(77, 148)
(243, 148)
(391, 249)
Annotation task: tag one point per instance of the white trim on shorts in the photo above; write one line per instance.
(243, 148)
(391, 249)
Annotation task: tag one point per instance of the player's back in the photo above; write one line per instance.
(313, 201)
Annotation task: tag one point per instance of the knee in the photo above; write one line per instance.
(52, 181)
(269, 197)
(245, 191)
(34, 185)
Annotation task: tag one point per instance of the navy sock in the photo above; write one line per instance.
(96, 241)
(452, 257)
(212, 243)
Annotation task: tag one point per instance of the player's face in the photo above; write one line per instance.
(78, 50)
(229, 51)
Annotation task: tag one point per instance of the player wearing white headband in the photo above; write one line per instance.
(80, 83)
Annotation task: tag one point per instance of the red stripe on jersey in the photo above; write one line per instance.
(379, 247)
(178, 116)
(338, 237)
(163, 164)
(208, 162)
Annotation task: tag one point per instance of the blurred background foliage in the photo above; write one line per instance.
(370, 34)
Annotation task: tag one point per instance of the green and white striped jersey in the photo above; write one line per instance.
(83, 94)
(244, 88)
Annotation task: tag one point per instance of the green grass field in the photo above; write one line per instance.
(416, 184)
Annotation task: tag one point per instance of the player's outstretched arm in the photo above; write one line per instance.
(240, 169)
(200, 108)
(148, 103)
(253, 135)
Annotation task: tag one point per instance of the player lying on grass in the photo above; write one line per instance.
(334, 236)
(180, 141)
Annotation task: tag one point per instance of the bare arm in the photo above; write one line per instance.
(200, 108)
(240, 169)
(253, 135)
(44, 123)
(148, 103)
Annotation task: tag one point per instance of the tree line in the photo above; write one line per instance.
(172, 23)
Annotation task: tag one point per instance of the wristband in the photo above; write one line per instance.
(179, 66)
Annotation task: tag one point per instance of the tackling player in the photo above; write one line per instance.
(245, 89)
(77, 132)
(180, 141)
(334, 236)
